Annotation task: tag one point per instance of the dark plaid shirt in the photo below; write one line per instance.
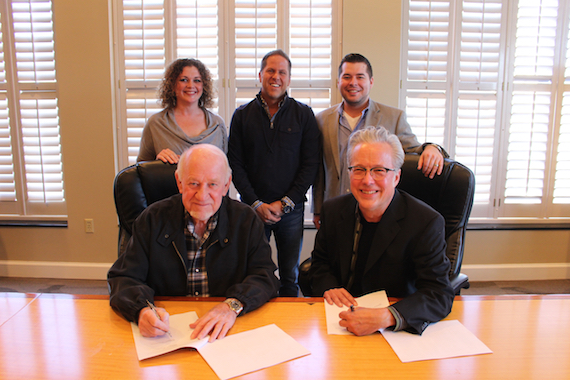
(197, 275)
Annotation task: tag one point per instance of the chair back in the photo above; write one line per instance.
(451, 194)
(138, 186)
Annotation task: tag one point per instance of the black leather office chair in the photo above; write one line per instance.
(451, 194)
(138, 186)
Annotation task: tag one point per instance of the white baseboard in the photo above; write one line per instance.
(98, 271)
(517, 272)
(50, 269)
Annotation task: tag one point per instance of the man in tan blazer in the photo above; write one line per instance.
(357, 111)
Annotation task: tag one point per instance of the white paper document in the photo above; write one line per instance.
(229, 357)
(180, 331)
(250, 351)
(374, 300)
(445, 339)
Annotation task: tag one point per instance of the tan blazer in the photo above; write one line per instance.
(329, 181)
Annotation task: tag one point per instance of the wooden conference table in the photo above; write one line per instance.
(55, 336)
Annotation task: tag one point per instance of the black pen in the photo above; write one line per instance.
(351, 307)
(153, 308)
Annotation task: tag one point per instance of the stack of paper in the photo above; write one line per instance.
(445, 339)
(266, 346)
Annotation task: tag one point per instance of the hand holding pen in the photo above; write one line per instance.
(153, 321)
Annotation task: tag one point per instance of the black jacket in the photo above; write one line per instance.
(407, 257)
(238, 259)
(271, 160)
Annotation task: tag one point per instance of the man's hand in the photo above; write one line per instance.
(216, 322)
(339, 296)
(364, 321)
(150, 326)
(317, 220)
(168, 156)
(270, 213)
(431, 162)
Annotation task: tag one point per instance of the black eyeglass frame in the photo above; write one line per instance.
(384, 171)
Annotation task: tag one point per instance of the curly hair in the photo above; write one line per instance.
(166, 90)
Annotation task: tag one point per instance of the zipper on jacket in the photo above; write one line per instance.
(183, 264)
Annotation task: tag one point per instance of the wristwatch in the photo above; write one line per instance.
(286, 208)
(234, 305)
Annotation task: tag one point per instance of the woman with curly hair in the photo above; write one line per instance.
(185, 93)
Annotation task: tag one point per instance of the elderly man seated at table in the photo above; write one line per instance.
(196, 243)
(380, 238)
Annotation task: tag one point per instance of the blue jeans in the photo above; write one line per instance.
(288, 233)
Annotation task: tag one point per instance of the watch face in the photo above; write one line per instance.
(234, 306)
(286, 208)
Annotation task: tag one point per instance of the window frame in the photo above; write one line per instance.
(497, 212)
(24, 209)
(226, 82)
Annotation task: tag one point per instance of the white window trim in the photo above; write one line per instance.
(496, 213)
(23, 210)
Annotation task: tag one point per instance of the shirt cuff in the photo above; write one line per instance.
(288, 201)
(256, 204)
(400, 321)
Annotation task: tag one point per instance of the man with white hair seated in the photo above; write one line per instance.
(197, 243)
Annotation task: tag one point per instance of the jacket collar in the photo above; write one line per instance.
(389, 226)
(173, 227)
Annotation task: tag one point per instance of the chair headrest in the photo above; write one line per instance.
(451, 193)
(140, 185)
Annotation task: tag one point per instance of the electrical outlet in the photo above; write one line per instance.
(89, 226)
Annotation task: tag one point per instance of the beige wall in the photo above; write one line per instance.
(82, 28)
(86, 118)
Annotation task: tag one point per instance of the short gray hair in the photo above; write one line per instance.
(212, 148)
(371, 135)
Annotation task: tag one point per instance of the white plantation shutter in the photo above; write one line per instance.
(144, 41)
(452, 81)
(31, 177)
(231, 38)
(531, 119)
(144, 51)
(197, 35)
(255, 34)
(148, 46)
(197, 32)
(427, 68)
(479, 87)
(561, 193)
(562, 178)
(7, 176)
(490, 95)
(310, 50)
(152, 33)
(530, 112)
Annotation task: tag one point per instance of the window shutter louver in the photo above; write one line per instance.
(310, 48)
(152, 33)
(477, 94)
(35, 122)
(427, 69)
(530, 119)
(561, 193)
(502, 97)
(7, 176)
(144, 62)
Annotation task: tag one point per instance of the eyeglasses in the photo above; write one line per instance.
(379, 172)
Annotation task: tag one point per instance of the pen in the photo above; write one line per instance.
(351, 307)
(153, 308)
